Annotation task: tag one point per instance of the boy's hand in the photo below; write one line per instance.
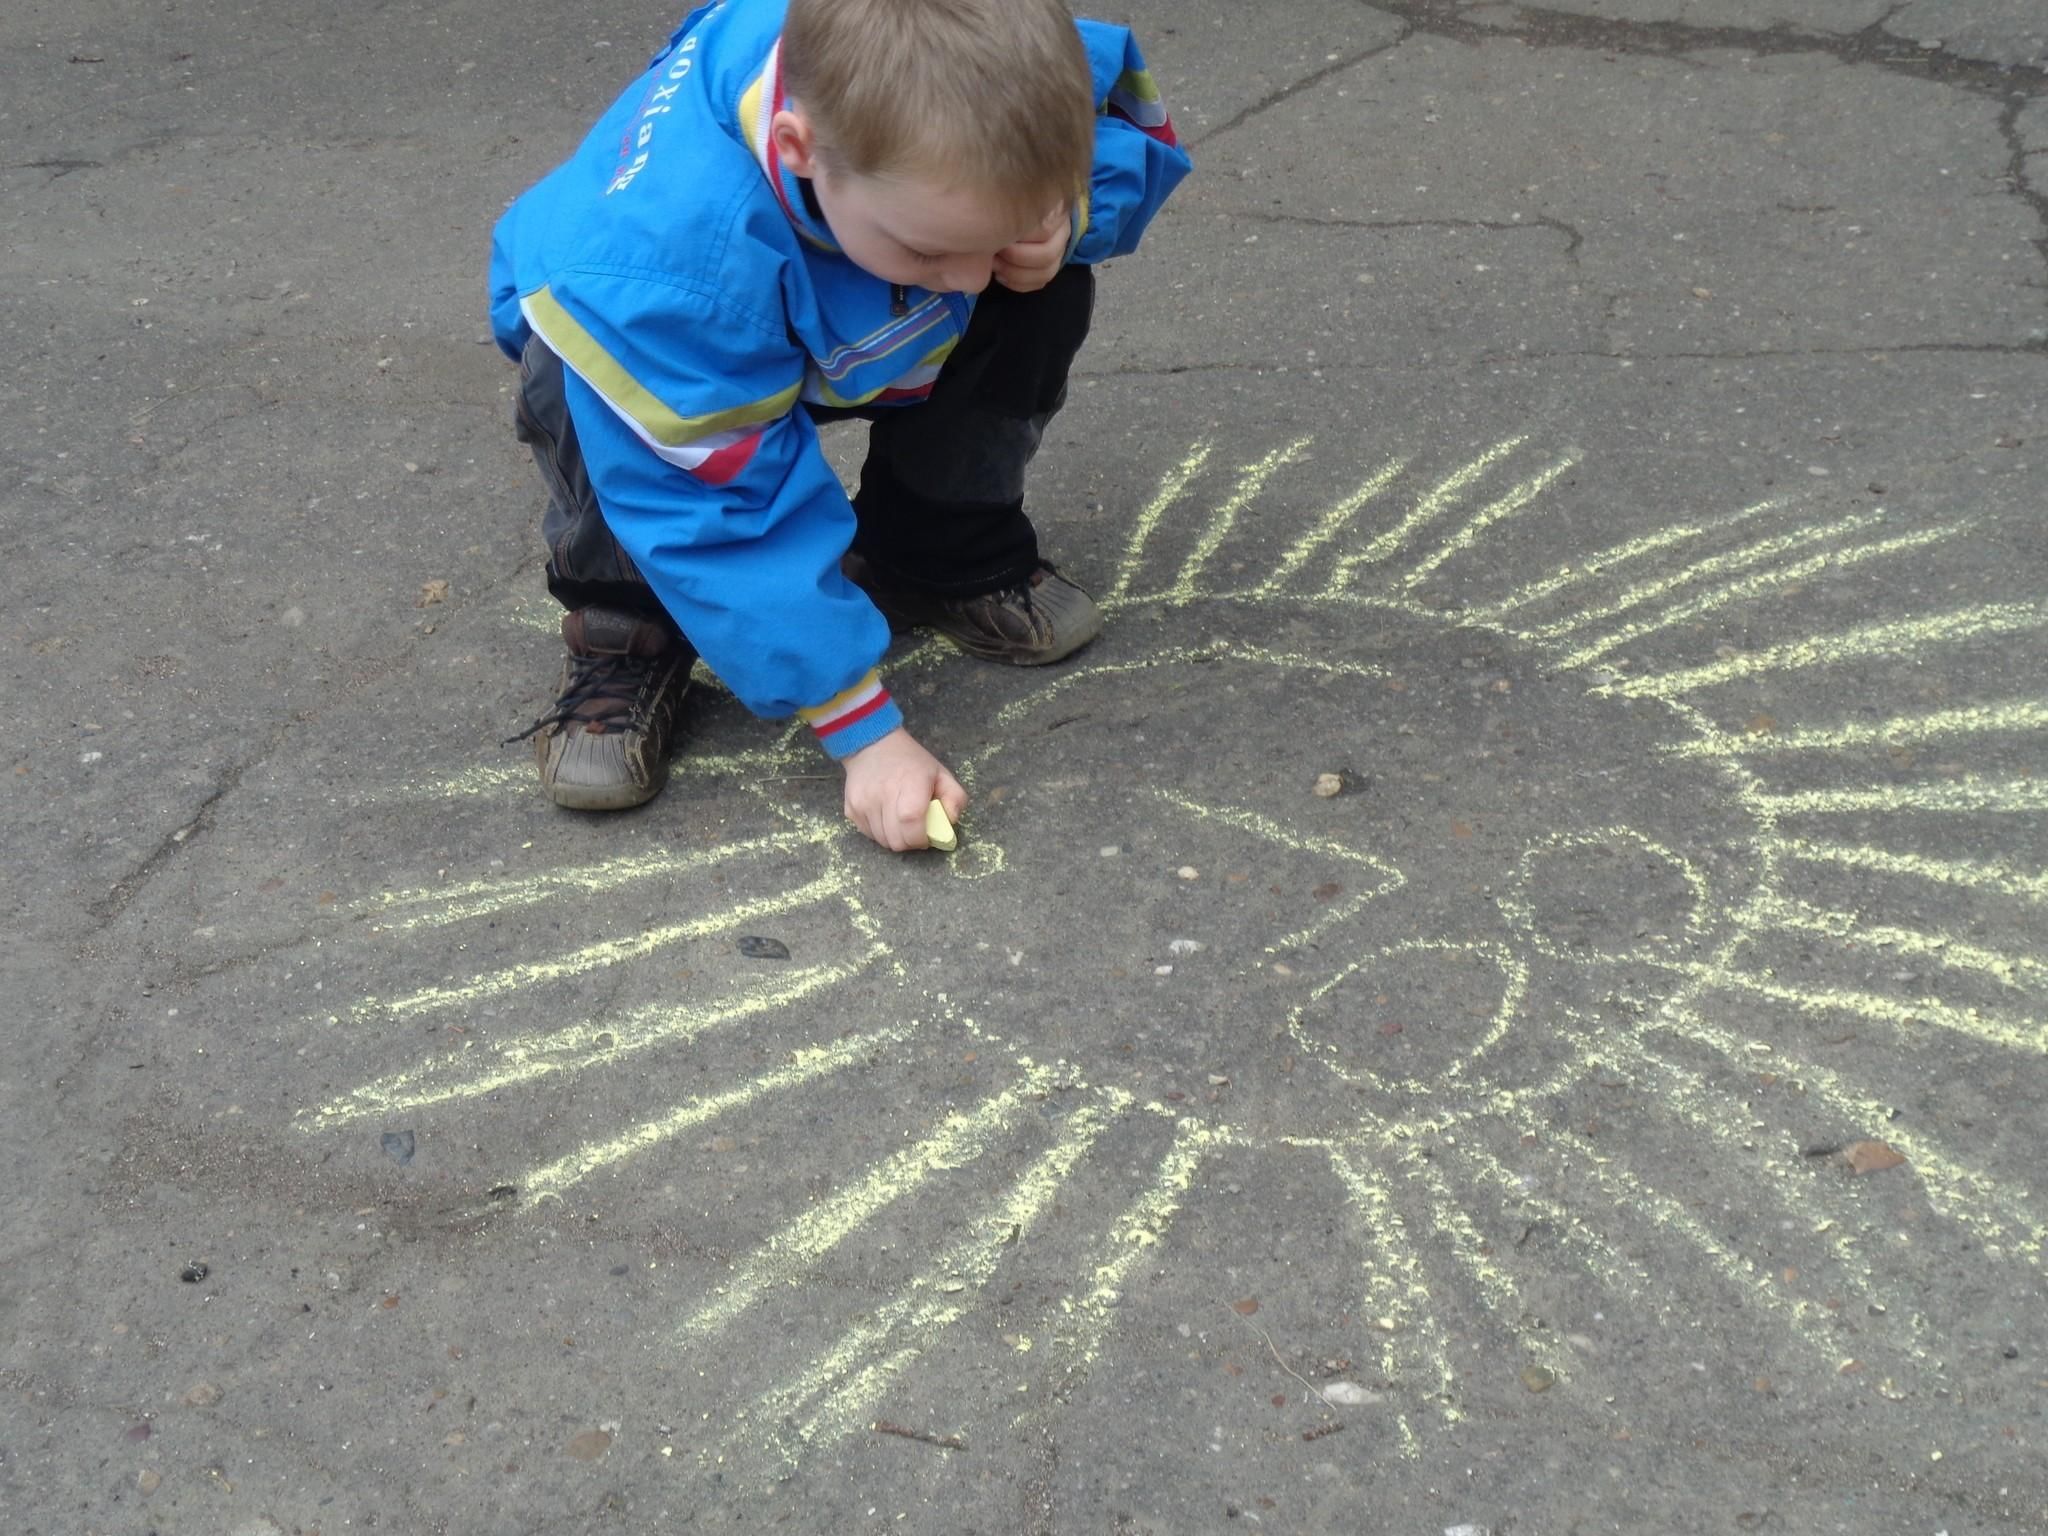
(1036, 260)
(890, 782)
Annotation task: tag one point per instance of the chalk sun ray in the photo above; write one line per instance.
(1445, 495)
(1968, 794)
(1624, 1278)
(834, 1395)
(1772, 913)
(479, 1070)
(1251, 481)
(1635, 1200)
(1741, 559)
(2002, 1222)
(1761, 585)
(439, 906)
(1333, 522)
(2025, 1035)
(1488, 1281)
(1415, 1354)
(1133, 1236)
(1600, 564)
(1171, 489)
(799, 1246)
(1972, 874)
(2018, 717)
(1716, 1111)
(805, 1065)
(1493, 512)
(607, 952)
(1900, 637)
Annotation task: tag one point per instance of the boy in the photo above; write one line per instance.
(786, 220)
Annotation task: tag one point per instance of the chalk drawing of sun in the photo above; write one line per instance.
(1163, 969)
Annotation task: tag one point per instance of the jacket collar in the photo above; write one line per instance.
(759, 103)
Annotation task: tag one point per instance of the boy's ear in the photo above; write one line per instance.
(796, 145)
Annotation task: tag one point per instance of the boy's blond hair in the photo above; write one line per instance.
(990, 94)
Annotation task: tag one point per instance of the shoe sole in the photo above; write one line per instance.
(599, 797)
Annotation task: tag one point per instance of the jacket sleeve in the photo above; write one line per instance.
(1138, 157)
(713, 481)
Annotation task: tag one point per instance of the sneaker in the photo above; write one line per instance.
(604, 744)
(1044, 619)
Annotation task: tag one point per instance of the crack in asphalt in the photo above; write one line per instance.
(1573, 238)
(1871, 45)
(1306, 82)
(2016, 179)
(2015, 85)
(109, 908)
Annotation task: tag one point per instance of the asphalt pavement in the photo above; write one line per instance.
(1507, 993)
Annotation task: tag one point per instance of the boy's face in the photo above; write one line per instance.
(912, 232)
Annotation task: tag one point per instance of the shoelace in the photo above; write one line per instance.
(593, 679)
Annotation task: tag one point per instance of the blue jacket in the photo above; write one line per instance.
(672, 265)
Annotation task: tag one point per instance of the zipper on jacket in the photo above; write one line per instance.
(899, 299)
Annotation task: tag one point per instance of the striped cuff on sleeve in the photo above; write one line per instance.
(857, 718)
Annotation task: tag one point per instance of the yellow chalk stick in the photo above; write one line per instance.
(937, 830)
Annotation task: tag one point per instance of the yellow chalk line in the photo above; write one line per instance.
(1286, 837)
(2018, 718)
(1171, 488)
(471, 783)
(1507, 506)
(1903, 637)
(1622, 1276)
(1717, 565)
(1427, 510)
(1730, 1123)
(1969, 874)
(1515, 978)
(1136, 1234)
(1251, 480)
(609, 952)
(1494, 1286)
(574, 1049)
(1968, 793)
(925, 1305)
(1597, 564)
(1391, 879)
(1397, 1289)
(2025, 1035)
(1754, 586)
(481, 898)
(1959, 1192)
(1633, 1198)
(1332, 523)
(866, 926)
(797, 1247)
(1776, 912)
(1296, 661)
(1521, 915)
(1011, 713)
(805, 1065)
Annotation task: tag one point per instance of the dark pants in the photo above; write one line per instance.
(941, 498)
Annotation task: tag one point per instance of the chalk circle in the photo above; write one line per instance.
(1366, 1004)
(1614, 895)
